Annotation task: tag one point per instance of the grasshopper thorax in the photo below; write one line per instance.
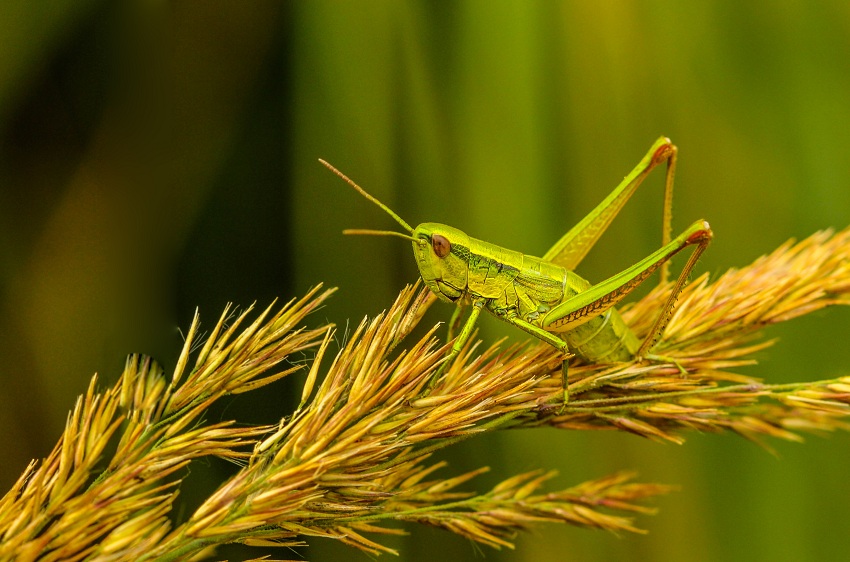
(442, 256)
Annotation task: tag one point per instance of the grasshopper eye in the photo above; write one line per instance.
(441, 245)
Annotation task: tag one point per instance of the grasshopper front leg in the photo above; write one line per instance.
(454, 323)
(463, 337)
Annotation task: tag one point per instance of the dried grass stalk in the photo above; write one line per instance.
(354, 455)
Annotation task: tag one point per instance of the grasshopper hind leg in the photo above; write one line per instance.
(574, 312)
(698, 235)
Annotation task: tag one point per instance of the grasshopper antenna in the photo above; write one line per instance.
(370, 198)
(361, 231)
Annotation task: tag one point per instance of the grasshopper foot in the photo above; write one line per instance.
(665, 359)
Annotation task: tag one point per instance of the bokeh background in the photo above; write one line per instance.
(157, 157)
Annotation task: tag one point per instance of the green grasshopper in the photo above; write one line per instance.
(543, 296)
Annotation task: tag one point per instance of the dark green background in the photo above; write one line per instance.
(155, 157)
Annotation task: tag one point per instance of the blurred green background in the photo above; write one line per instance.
(157, 157)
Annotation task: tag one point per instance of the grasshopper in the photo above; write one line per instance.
(543, 296)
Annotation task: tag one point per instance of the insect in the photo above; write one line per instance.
(543, 296)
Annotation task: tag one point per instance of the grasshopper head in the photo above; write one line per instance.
(442, 255)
